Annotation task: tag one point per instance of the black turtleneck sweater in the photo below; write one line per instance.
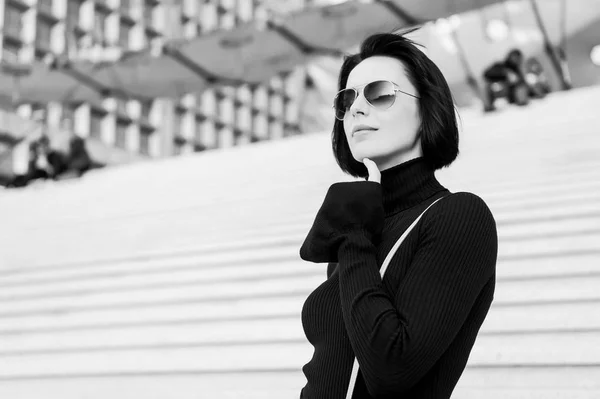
(412, 333)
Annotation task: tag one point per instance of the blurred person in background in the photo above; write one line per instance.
(37, 166)
(55, 159)
(514, 63)
(411, 331)
(536, 78)
(38, 162)
(79, 158)
(506, 79)
(46, 162)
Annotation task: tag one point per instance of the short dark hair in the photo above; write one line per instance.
(438, 131)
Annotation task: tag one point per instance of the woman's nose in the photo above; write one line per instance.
(359, 106)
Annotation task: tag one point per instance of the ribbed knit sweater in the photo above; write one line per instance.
(412, 333)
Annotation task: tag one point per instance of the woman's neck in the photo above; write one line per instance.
(408, 184)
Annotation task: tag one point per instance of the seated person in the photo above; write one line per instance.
(514, 64)
(56, 160)
(79, 158)
(506, 79)
(38, 167)
(536, 78)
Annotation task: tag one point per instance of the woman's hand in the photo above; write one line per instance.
(374, 173)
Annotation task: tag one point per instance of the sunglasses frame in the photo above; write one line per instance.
(395, 88)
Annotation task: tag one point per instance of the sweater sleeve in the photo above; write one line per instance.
(331, 268)
(397, 339)
(348, 206)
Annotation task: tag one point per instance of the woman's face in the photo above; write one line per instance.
(387, 137)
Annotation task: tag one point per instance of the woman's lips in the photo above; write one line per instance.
(362, 132)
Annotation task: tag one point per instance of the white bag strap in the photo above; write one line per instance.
(382, 270)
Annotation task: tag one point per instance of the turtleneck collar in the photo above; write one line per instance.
(408, 184)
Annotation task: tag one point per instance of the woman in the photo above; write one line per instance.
(413, 330)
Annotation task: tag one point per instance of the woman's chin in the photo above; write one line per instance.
(362, 154)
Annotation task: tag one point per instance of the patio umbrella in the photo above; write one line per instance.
(40, 82)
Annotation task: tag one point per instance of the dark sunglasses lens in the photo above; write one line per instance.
(380, 94)
(343, 102)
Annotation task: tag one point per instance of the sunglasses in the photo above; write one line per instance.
(380, 94)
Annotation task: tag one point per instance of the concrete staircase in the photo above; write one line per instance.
(181, 278)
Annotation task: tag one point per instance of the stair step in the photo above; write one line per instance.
(187, 271)
(528, 382)
(185, 313)
(232, 299)
(492, 383)
(168, 273)
(500, 320)
(573, 287)
(546, 349)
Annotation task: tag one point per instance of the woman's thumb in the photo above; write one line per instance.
(374, 173)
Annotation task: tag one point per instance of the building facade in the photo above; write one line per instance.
(83, 29)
